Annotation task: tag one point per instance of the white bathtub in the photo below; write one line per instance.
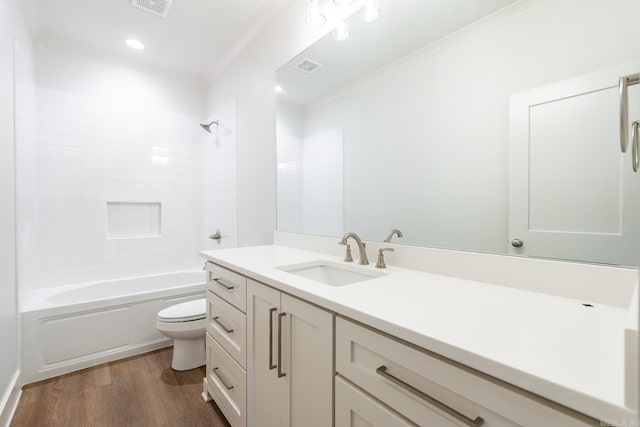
(74, 327)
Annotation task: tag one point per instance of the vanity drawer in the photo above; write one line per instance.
(228, 326)
(412, 382)
(227, 383)
(228, 285)
(354, 408)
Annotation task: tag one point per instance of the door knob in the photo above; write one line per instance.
(216, 236)
(517, 243)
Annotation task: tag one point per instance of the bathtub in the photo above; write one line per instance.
(74, 327)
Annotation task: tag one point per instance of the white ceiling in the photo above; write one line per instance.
(403, 27)
(197, 37)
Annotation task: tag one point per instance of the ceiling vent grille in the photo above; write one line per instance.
(156, 7)
(308, 66)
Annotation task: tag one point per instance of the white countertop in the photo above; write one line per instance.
(551, 346)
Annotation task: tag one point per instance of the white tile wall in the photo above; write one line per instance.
(289, 186)
(133, 220)
(310, 172)
(221, 178)
(92, 150)
(322, 182)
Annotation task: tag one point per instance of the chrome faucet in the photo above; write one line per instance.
(391, 233)
(362, 247)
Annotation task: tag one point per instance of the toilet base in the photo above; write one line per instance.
(188, 354)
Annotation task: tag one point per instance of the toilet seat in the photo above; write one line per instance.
(184, 312)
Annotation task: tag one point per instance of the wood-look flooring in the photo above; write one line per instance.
(139, 391)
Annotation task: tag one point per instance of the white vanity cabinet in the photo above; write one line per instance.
(226, 356)
(290, 371)
(407, 386)
(286, 357)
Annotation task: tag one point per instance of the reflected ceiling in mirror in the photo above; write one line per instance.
(467, 125)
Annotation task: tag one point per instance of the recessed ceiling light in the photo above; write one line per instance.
(134, 44)
(279, 89)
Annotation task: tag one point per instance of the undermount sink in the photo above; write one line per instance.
(331, 273)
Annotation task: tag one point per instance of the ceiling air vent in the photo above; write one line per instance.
(156, 7)
(308, 66)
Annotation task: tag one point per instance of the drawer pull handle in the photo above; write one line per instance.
(224, 285)
(280, 373)
(271, 365)
(227, 330)
(382, 370)
(228, 387)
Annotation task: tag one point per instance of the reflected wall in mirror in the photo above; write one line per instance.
(467, 125)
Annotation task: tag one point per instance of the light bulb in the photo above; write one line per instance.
(314, 14)
(341, 31)
(370, 11)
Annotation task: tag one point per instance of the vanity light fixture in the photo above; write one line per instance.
(370, 11)
(134, 44)
(341, 31)
(314, 14)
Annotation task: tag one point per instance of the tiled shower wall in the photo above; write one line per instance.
(310, 175)
(92, 151)
(117, 140)
(221, 186)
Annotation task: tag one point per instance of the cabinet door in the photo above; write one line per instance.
(307, 347)
(264, 386)
(356, 409)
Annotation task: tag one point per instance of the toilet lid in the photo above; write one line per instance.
(184, 312)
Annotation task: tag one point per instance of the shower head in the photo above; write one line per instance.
(208, 127)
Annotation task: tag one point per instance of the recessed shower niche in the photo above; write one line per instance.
(127, 220)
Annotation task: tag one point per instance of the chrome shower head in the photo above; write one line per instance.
(208, 127)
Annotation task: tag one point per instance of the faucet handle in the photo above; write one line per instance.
(380, 263)
(347, 255)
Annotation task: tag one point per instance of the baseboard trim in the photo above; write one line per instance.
(10, 400)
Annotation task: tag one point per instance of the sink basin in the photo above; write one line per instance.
(331, 273)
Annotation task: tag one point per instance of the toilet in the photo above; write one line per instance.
(186, 324)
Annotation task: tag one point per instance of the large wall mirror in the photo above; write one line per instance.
(469, 125)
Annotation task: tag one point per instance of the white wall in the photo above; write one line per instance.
(12, 27)
(250, 79)
(289, 146)
(26, 172)
(322, 182)
(111, 130)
